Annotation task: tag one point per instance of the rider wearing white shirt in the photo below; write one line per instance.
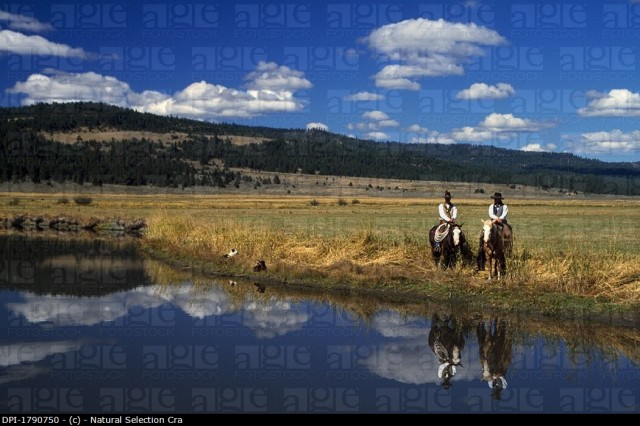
(447, 210)
(498, 210)
(448, 213)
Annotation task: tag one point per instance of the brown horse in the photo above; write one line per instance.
(493, 249)
(495, 344)
(452, 247)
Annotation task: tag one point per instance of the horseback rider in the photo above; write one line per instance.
(447, 210)
(448, 213)
(498, 212)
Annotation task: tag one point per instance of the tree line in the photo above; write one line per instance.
(207, 155)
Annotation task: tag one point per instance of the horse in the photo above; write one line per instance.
(495, 350)
(446, 341)
(492, 250)
(452, 247)
(507, 238)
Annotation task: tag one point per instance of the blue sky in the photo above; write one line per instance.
(560, 76)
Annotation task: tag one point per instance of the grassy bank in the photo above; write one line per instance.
(570, 256)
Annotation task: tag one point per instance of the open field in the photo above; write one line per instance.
(571, 255)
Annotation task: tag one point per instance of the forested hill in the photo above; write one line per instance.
(148, 149)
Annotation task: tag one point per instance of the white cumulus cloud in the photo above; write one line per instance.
(611, 141)
(53, 86)
(425, 135)
(364, 96)
(472, 134)
(616, 103)
(24, 23)
(375, 115)
(271, 76)
(21, 44)
(426, 48)
(317, 126)
(485, 91)
(496, 122)
(377, 136)
(270, 89)
(373, 122)
(494, 126)
(536, 147)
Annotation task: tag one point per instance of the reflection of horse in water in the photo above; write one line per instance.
(492, 253)
(447, 342)
(494, 342)
(448, 244)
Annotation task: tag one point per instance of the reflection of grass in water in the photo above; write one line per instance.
(583, 341)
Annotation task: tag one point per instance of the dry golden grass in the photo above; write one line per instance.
(587, 247)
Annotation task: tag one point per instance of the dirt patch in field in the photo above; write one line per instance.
(109, 135)
(114, 135)
(244, 140)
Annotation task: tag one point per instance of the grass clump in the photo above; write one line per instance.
(82, 200)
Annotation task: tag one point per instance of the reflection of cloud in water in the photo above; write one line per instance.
(271, 318)
(196, 302)
(19, 353)
(21, 372)
(267, 317)
(65, 310)
(412, 362)
(409, 359)
(392, 324)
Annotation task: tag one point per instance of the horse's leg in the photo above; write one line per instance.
(481, 259)
(489, 261)
(446, 255)
(507, 237)
(436, 257)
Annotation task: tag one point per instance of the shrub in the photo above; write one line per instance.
(355, 201)
(82, 200)
(342, 202)
(14, 202)
(314, 202)
(478, 191)
(62, 200)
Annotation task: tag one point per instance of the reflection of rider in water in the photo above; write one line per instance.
(495, 354)
(447, 343)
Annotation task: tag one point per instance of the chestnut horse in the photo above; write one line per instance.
(493, 249)
(453, 246)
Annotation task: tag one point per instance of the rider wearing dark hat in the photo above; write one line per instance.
(498, 210)
(448, 213)
(447, 210)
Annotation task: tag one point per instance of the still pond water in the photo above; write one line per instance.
(90, 326)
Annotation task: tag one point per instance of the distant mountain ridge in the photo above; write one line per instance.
(192, 152)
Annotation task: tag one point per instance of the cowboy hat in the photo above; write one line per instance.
(497, 196)
(447, 194)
